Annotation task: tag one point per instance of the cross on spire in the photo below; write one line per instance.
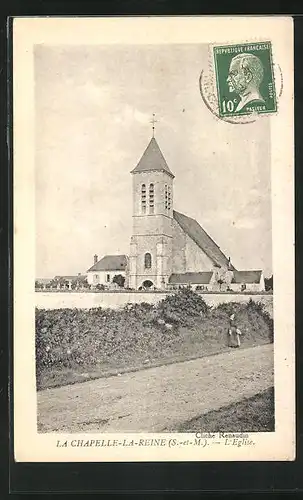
(153, 121)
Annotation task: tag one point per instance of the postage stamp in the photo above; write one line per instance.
(245, 79)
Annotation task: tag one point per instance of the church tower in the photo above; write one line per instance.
(150, 261)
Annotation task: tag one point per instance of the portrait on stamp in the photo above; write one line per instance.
(245, 79)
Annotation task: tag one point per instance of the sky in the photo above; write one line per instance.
(93, 107)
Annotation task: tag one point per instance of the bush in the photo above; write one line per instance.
(228, 308)
(251, 317)
(259, 309)
(181, 307)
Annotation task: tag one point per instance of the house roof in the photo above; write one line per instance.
(202, 278)
(110, 263)
(247, 277)
(202, 239)
(152, 159)
(44, 280)
(79, 277)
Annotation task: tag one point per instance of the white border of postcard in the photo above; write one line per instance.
(30, 446)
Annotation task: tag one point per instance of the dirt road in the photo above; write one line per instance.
(157, 398)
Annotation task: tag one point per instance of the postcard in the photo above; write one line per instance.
(153, 165)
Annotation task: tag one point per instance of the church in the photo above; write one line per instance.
(168, 249)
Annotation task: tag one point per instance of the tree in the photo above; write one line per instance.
(63, 282)
(58, 281)
(54, 283)
(220, 282)
(85, 283)
(74, 284)
(100, 286)
(119, 279)
(269, 285)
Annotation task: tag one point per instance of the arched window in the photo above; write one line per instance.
(147, 261)
(143, 198)
(151, 199)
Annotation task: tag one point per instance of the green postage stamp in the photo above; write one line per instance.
(245, 79)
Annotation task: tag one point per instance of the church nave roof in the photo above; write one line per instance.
(202, 239)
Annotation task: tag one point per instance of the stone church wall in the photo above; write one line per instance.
(179, 248)
(196, 259)
(148, 225)
(146, 245)
(187, 256)
(160, 262)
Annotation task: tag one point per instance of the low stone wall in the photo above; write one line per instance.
(87, 300)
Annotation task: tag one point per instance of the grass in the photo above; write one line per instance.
(60, 376)
(255, 414)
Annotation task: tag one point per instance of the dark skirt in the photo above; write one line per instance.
(233, 337)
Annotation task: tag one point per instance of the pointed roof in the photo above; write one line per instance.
(202, 239)
(152, 159)
(110, 263)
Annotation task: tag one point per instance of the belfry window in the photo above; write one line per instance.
(166, 197)
(151, 199)
(147, 261)
(143, 198)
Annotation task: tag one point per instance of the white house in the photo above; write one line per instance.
(103, 271)
(247, 281)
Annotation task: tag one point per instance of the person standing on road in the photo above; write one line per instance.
(234, 332)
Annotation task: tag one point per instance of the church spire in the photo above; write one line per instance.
(152, 159)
